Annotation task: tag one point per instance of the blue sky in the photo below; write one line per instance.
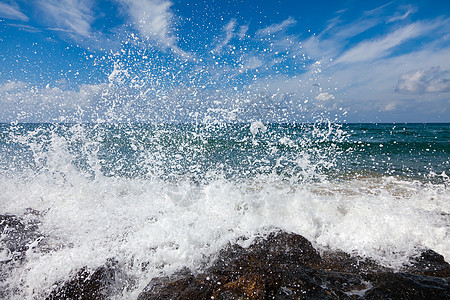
(158, 60)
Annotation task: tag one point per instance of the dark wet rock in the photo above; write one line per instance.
(101, 283)
(408, 286)
(17, 236)
(286, 266)
(429, 263)
(174, 286)
(20, 235)
(343, 262)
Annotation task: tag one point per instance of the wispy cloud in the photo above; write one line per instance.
(242, 31)
(27, 28)
(337, 35)
(154, 20)
(73, 16)
(12, 12)
(12, 86)
(275, 28)
(338, 29)
(229, 33)
(378, 48)
(421, 81)
(26, 103)
(370, 76)
(401, 15)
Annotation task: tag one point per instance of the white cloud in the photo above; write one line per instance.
(154, 20)
(229, 33)
(74, 16)
(421, 81)
(25, 103)
(369, 88)
(12, 86)
(407, 11)
(324, 96)
(338, 30)
(12, 12)
(352, 30)
(390, 106)
(317, 48)
(242, 31)
(331, 41)
(378, 48)
(365, 87)
(373, 80)
(26, 28)
(274, 28)
(338, 35)
(252, 62)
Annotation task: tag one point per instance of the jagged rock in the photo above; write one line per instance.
(20, 235)
(343, 262)
(429, 263)
(17, 236)
(100, 283)
(408, 286)
(286, 266)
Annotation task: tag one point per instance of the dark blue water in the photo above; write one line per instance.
(414, 150)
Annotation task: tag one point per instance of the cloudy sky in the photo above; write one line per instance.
(158, 60)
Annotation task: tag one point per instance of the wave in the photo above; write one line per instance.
(158, 199)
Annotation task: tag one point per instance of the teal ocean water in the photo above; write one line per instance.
(235, 151)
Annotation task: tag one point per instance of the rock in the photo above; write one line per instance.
(20, 235)
(169, 287)
(429, 263)
(286, 266)
(101, 283)
(408, 286)
(344, 262)
(17, 237)
(282, 266)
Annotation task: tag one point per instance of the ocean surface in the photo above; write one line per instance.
(157, 198)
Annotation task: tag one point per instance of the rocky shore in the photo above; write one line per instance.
(286, 266)
(281, 265)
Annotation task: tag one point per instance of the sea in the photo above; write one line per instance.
(157, 198)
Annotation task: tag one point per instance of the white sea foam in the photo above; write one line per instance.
(166, 226)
